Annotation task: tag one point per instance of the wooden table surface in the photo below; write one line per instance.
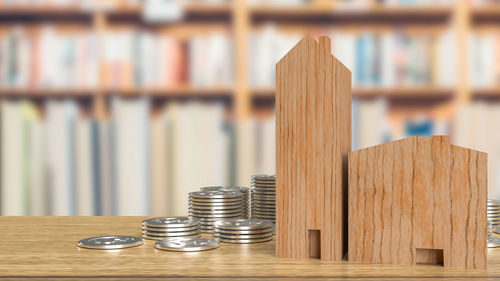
(45, 247)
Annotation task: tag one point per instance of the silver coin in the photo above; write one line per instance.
(242, 189)
(170, 222)
(215, 194)
(216, 205)
(214, 215)
(493, 242)
(263, 205)
(215, 208)
(263, 192)
(243, 236)
(215, 201)
(496, 229)
(110, 242)
(212, 220)
(171, 229)
(229, 211)
(187, 245)
(253, 231)
(155, 237)
(171, 234)
(272, 214)
(243, 224)
(245, 241)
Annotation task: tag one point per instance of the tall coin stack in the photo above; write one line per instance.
(211, 206)
(244, 190)
(243, 231)
(164, 228)
(263, 197)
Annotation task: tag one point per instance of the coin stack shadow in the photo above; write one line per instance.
(211, 206)
(244, 190)
(493, 215)
(263, 197)
(243, 231)
(170, 227)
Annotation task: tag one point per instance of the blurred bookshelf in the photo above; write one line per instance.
(419, 67)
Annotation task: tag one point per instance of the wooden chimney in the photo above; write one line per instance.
(418, 200)
(313, 138)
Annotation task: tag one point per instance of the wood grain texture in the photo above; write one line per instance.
(313, 137)
(418, 193)
(45, 247)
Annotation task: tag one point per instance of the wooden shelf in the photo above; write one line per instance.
(393, 93)
(493, 92)
(422, 15)
(488, 14)
(181, 91)
(200, 11)
(47, 93)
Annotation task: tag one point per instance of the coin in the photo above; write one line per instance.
(243, 224)
(245, 241)
(493, 242)
(242, 236)
(227, 211)
(156, 237)
(170, 222)
(218, 204)
(214, 208)
(215, 194)
(187, 245)
(170, 229)
(242, 189)
(171, 234)
(110, 242)
(254, 231)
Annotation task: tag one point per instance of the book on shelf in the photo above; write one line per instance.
(475, 129)
(42, 57)
(393, 58)
(131, 155)
(142, 59)
(484, 52)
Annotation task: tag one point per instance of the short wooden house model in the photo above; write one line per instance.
(418, 200)
(313, 137)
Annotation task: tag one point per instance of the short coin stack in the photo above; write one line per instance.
(170, 227)
(243, 231)
(244, 190)
(263, 194)
(211, 206)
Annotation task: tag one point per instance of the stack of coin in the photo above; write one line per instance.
(210, 206)
(493, 214)
(163, 228)
(244, 190)
(263, 196)
(243, 231)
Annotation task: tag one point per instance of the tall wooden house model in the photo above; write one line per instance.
(313, 135)
(418, 200)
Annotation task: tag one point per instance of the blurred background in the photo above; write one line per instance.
(122, 107)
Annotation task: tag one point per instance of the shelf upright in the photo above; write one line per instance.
(241, 29)
(99, 22)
